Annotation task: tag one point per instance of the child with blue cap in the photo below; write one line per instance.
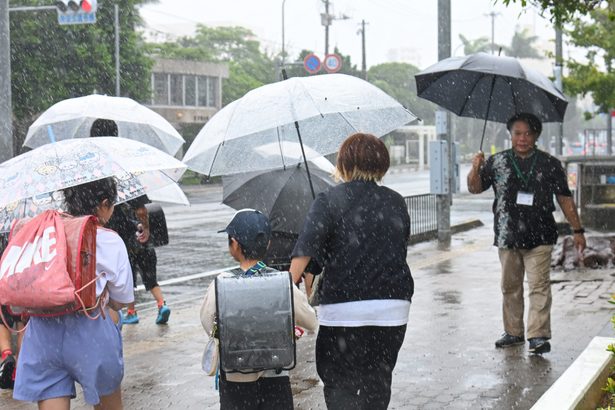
(248, 237)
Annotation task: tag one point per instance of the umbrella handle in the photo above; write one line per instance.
(307, 168)
(50, 134)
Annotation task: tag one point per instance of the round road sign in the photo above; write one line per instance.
(333, 63)
(311, 63)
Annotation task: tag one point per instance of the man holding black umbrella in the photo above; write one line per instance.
(524, 180)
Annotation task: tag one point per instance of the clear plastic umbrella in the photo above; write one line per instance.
(319, 112)
(31, 182)
(73, 118)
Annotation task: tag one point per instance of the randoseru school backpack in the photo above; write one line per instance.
(255, 320)
(49, 265)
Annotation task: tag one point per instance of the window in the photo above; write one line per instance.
(190, 90)
(177, 89)
(202, 91)
(212, 90)
(161, 89)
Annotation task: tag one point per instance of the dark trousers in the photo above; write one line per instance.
(267, 393)
(356, 365)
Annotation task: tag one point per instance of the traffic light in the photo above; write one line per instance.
(76, 11)
(86, 5)
(75, 5)
(62, 5)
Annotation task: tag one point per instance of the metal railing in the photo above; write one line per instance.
(423, 217)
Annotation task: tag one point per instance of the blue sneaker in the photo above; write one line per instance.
(163, 315)
(131, 319)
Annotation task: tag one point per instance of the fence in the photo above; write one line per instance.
(423, 217)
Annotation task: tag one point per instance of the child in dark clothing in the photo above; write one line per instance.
(248, 235)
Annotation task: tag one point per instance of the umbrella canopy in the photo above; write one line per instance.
(490, 87)
(30, 182)
(326, 109)
(73, 118)
(282, 194)
(171, 194)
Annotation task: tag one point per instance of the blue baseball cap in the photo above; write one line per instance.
(250, 228)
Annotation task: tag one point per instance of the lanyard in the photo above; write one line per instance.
(522, 177)
(256, 269)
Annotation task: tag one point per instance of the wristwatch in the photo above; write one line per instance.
(580, 230)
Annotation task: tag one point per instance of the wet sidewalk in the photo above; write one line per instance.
(448, 359)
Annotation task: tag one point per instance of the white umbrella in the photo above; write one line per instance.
(172, 194)
(30, 182)
(286, 149)
(73, 118)
(325, 109)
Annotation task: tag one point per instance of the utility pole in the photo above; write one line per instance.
(6, 109)
(363, 61)
(327, 22)
(558, 73)
(493, 15)
(443, 125)
(326, 19)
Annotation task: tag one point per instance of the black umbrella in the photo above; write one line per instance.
(283, 195)
(490, 87)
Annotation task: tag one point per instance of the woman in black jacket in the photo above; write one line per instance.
(358, 232)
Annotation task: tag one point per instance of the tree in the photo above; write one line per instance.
(522, 45)
(595, 76)
(563, 11)
(249, 67)
(397, 80)
(481, 44)
(50, 62)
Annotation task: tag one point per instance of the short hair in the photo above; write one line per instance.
(362, 157)
(103, 128)
(256, 250)
(83, 199)
(532, 121)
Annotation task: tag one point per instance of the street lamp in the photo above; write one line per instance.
(283, 52)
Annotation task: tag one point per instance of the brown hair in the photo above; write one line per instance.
(362, 156)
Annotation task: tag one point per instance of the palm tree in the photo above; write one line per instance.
(522, 45)
(475, 46)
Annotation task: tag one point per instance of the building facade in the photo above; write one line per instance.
(186, 92)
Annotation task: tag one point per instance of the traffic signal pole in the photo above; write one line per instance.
(117, 49)
(6, 109)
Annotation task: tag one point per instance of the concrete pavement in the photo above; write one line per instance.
(448, 359)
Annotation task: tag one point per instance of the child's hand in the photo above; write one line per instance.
(298, 332)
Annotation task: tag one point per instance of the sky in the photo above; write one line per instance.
(396, 30)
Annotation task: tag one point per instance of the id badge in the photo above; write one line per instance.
(525, 198)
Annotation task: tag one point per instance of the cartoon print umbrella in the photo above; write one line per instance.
(29, 183)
